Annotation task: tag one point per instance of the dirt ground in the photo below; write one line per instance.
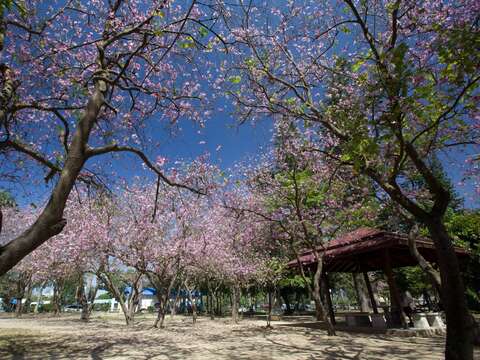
(106, 337)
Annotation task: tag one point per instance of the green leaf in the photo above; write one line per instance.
(159, 13)
(186, 44)
(202, 31)
(235, 79)
(357, 65)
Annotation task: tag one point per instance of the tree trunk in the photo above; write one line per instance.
(361, 291)
(270, 307)
(160, 319)
(50, 222)
(433, 275)
(173, 309)
(28, 299)
(314, 291)
(192, 300)
(163, 287)
(127, 305)
(86, 294)
(460, 324)
(18, 307)
(213, 302)
(39, 298)
(57, 296)
(235, 302)
(285, 295)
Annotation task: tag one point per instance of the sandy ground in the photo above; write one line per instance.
(105, 337)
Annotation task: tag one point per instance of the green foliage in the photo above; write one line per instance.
(101, 307)
(293, 281)
(202, 31)
(413, 279)
(188, 43)
(10, 5)
(6, 199)
(105, 296)
(464, 227)
(235, 79)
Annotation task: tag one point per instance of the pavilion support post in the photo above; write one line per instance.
(370, 292)
(328, 298)
(395, 294)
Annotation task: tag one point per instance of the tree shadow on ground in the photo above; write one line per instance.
(105, 339)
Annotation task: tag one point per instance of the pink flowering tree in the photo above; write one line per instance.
(233, 249)
(117, 270)
(24, 276)
(83, 80)
(307, 201)
(154, 236)
(395, 83)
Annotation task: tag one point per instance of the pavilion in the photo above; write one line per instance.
(368, 249)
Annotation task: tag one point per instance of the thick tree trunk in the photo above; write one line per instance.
(314, 291)
(361, 292)
(395, 300)
(50, 222)
(460, 324)
(57, 297)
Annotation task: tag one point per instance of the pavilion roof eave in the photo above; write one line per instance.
(342, 254)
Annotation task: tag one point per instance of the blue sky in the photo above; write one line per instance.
(235, 144)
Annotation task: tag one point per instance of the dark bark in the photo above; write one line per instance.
(213, 301)
(370, 292)
(23, 284)
(50, 222)
(460, 324)
(327, 297)
(395, 301)
(28, 299)
(235, 302)
(286, 299)
(314, 290)
(160, 319)
(163, 287)
(57, 296)
(173, 308)
(270, 307)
